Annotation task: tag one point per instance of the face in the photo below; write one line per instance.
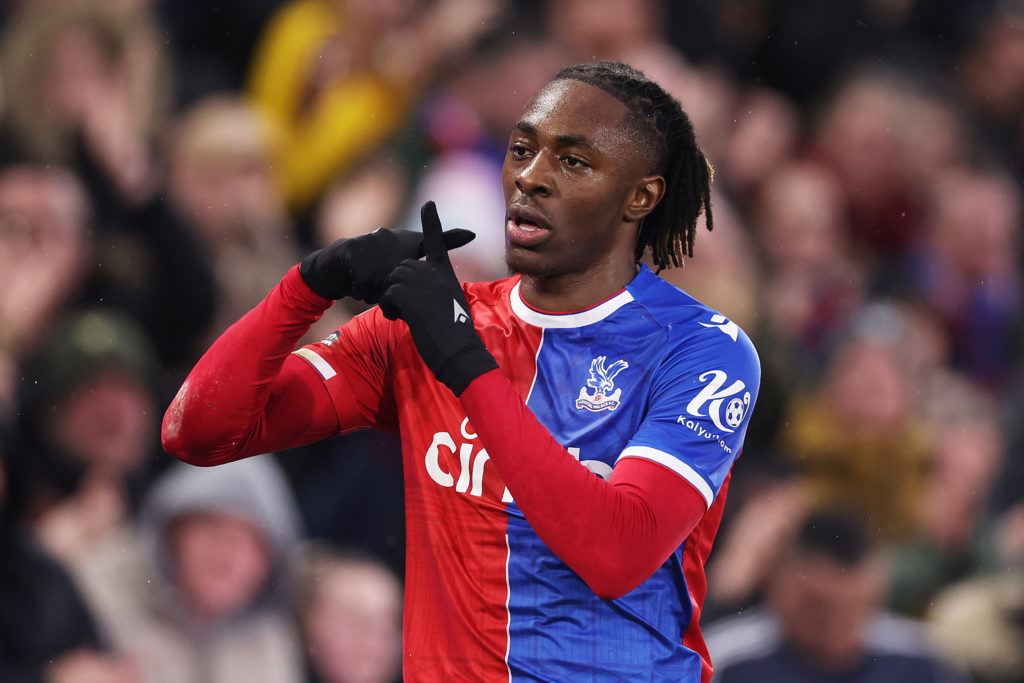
(576, 184)
(823, 607)
(106, 423)
(221, 562)
(354, 625)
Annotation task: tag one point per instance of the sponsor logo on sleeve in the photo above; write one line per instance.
(724, 403)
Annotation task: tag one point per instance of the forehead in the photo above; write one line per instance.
(573, 108)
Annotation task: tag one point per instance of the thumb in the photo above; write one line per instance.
(458, 237)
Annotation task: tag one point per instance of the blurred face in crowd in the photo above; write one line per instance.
(220, 562)
(869, 387)
(800, 218)
(40, 208)
(220, 173)
(982, 210)
(106, 422)
(43, 217)
(824, 606)
(354, 624)
(601, 28)
(573, 180)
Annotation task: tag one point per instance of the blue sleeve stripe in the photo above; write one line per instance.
(673, 463)
(317, 361)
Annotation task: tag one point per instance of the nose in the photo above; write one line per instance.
(533, 178)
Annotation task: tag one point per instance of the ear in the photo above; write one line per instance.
(646, 194)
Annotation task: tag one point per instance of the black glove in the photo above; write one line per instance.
(359, 266)
(428, 297)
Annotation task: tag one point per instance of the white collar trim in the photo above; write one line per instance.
(567, 320)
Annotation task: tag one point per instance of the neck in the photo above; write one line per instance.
(575, 291)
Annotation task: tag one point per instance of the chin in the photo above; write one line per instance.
(520, 266)
(526, 261)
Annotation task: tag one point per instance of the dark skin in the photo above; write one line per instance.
(577, 183)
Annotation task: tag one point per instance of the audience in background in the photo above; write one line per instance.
(221, 180)
(856, 435)
(162, 163)
(44, 219)
(47, 633)
(337, 78)
(199, 591)
(350, 614)
(822, 619)
(88, 415)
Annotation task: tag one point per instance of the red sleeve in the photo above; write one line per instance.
(613, 533)
(248, 394)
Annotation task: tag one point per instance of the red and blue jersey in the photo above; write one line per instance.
(650, 373)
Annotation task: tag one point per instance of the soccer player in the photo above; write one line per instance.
(567, 433)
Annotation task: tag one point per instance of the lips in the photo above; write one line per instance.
(525, 226)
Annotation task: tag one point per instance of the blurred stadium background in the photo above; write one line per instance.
(163, 162)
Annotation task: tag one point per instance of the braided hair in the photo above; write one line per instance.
(665, 131)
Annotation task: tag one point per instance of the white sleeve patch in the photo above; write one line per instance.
(674, 464)
(317, 361)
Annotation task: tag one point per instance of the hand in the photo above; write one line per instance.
(359, 266)
(429, 298)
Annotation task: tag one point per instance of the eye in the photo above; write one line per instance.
(573, 162)
(518, 150)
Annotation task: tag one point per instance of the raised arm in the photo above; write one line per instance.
(245, 396)
(248, 394)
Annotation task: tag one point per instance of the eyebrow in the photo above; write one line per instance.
(564, 140)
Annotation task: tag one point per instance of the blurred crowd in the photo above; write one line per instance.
(164, 162)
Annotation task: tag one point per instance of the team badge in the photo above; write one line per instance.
(602, 381)
(331, 338)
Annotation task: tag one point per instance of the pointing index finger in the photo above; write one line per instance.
(433, 237)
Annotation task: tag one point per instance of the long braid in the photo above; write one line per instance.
(670, 228)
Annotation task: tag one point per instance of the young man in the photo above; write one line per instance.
(823, 621)
(567, 432)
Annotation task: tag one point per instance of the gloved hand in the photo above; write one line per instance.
(429, 298)
(359, 266)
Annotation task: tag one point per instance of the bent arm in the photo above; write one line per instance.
(641, 515)
(248, 394)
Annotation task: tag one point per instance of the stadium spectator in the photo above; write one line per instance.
(822, 621)
(857, 435)
(199, 592)
(92, 94)
(955, 537)
(220, 179)
(350, 613)
(337, 78)
(977, 291)
(44, 215)
(980, 621)
(87, 403)
(47, 633)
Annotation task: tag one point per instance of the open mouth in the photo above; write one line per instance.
(525, 230)
(526, 225)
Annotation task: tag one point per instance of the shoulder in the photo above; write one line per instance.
(901, 650)
(693, 329)
(890, 634)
